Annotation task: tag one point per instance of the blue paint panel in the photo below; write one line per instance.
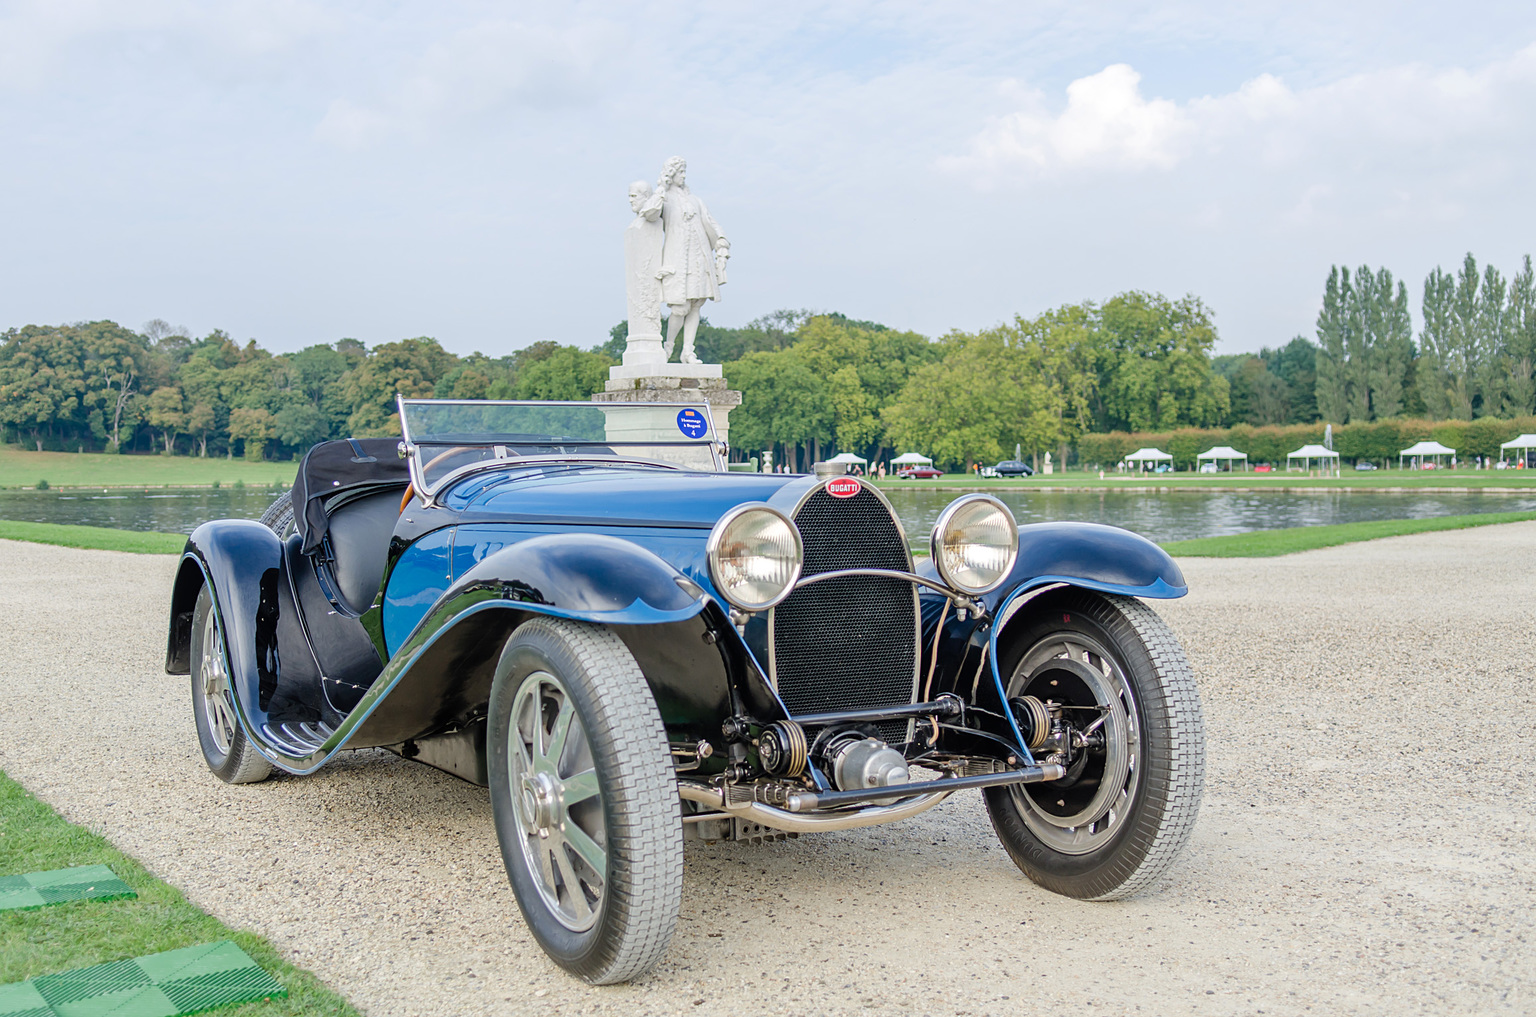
(681, 547)
(605, 496)
(419, 578)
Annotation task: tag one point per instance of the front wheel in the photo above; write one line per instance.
(226, 749)
(1119, 690)
(585, 799)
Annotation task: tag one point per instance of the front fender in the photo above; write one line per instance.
(1106, 559)
(697, 665)
(1090, 555)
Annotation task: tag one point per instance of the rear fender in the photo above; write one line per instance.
(242, 562)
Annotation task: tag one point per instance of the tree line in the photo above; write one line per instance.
(1135, 361)
(815, 384)
(98, 386)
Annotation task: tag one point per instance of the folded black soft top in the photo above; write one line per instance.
(332, 467)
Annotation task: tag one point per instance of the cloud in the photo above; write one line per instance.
(38, 37)
(482, 69)
(1106, 122)
(1412, 113)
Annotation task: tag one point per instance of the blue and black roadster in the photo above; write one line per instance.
(580, 607)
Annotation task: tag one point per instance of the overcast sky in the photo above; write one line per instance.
(297, 171)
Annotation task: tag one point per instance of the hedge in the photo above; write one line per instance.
(1379, 440)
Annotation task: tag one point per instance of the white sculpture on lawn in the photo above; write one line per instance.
(692, 268)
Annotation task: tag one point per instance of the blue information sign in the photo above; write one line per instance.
(692, 423)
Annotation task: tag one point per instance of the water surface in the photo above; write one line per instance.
(1160, 515)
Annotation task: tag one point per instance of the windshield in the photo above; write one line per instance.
(446, 436)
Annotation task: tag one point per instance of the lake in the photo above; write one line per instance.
(1160, 515)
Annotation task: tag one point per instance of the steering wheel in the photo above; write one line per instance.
(447, 453)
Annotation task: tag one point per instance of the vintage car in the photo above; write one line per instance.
(580, 607)
(1013, 468)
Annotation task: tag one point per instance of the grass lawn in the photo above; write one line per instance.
(1351, 480)
(95, 538)
(1269, 543)
(33, 838)
(21, 468)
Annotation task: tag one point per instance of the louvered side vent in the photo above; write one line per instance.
(847, 644)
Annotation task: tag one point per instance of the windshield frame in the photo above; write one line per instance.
(428, 492)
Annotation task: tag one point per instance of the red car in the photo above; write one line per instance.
(918, 473)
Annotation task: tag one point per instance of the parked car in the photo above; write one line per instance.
(1014, 468)
(1208, 468)
(918, 473)
(1364, 465)
(629, 646)
(1263, 468)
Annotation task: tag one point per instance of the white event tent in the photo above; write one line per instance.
(1328, 459)
(848, 458)
(1145, 457)
(1224, 454)
(1422, 449)
(1525, 443)
(911, 459)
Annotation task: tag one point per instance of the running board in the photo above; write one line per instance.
(297, 739)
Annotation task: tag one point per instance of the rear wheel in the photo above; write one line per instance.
(1120, 683)
(585, 799)
(279, 515)
(229, 754)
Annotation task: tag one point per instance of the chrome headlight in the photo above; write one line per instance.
(754, 555)
(975, 542)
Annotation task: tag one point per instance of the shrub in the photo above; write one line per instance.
(42, 485)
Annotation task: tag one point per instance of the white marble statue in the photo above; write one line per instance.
(693, 257)
(643, 242)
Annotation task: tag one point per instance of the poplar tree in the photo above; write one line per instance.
(1332, 340)
(1362, 317)
(1390, 344)
(1491, 341)
(1436, 344)
(1520, 337)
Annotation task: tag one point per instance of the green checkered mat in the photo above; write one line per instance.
(167, 984)
(39, 889)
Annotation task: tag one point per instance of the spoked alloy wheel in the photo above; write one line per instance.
(227, 751)
(585, 799)
(558, 814)
(1118, 819)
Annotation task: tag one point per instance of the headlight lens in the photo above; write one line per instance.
(974, 543)
(754, 556)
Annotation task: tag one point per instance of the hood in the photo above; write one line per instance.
(610, 495)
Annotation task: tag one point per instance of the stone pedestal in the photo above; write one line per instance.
(670, 383)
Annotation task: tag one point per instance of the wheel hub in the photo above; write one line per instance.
(538, 800)
(1081, 812)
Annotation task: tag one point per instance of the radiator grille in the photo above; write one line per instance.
(847, 644)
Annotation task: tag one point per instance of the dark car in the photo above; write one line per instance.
(1014, 468)
(578, 606)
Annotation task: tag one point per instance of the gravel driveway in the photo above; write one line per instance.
(1366, 844)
